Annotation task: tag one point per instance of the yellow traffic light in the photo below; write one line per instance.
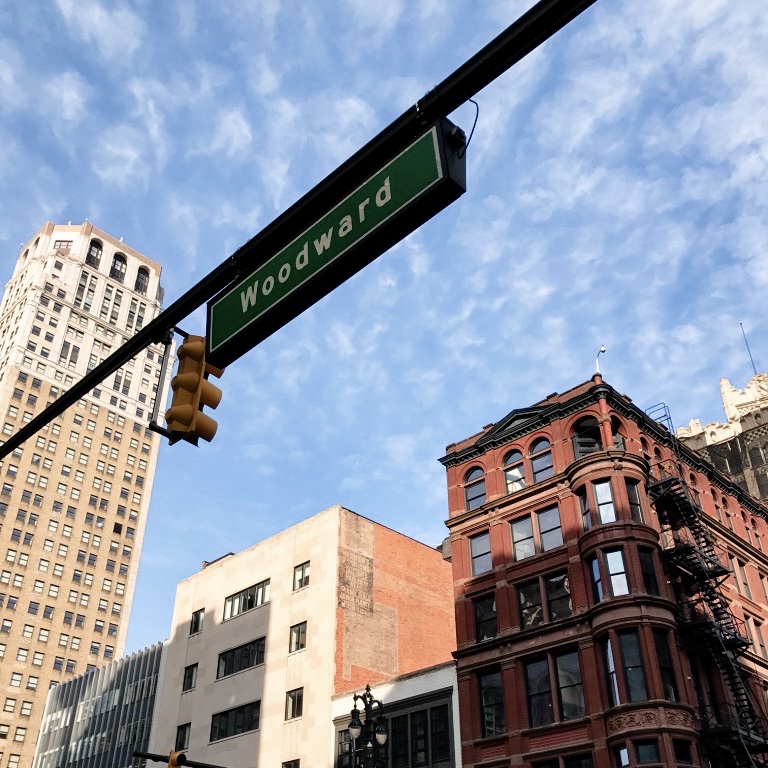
(176, 759)
(192, 391)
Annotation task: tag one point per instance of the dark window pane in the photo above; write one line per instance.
(549, 528)
(480, 549)
(492, 704)
(635, 506)
(569, 682)
(441, 745)
(587, 438)
(634, 676)
(399, 741)
(666, 669)
(648, 569)
(558, 596)
(485, 617)
(646, 752)
(597, 582)
(579, 761)
(475, 495)
(541, 466)
(419, 737)
(540, 711)
(682, 751)
(529, 596)
(474, 490)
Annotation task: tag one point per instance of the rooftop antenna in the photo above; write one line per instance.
(749, 351)
(597, 357)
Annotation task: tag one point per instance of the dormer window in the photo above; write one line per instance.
(586, 437)
(142, 281)
(117, 272)
(93, 257)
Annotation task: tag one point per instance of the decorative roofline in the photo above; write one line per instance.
(496, 437)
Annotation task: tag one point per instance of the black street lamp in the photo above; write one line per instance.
(371, 735)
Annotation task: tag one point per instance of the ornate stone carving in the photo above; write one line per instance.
(639, 718)
(679, 719)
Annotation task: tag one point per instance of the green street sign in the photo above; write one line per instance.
(422, 179)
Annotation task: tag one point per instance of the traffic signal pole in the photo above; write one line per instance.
(174, 759)
(523, 36)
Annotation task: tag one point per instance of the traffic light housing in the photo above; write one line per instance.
(192, 391)
(176, 759)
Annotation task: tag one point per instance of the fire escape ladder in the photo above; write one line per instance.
(689, 549)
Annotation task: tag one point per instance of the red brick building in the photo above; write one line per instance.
(610, 585)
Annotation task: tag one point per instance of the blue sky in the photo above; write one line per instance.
(616, 195)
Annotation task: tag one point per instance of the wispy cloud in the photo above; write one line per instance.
(115, 33)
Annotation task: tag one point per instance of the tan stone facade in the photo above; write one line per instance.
(738, 447)
(374, 605)
(74, 499)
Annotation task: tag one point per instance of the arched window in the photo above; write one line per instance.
(694, 488)
(142, 280)
(618, 438)
(93, 257)
(541, 459)
(117, 272)
(514, 472)
(586, 437)
(474, 488)
(26, 253)
(657, 468)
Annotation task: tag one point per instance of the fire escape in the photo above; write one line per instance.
(735, 733)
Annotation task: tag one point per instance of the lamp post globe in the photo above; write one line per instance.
(369, 736)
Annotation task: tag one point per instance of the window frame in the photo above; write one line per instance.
(625, 685)
(605, 581)
(542, 589)
(490, 686)
(475, 492)
(232, 722)
(524, 533)
(477, 555)
(514, 470)
(297, 640)
(301, 576)
(242, 657)
(541, 450)
(294, 703)
(552, 688)
(246, 600)
(189, 678)
(486, 618)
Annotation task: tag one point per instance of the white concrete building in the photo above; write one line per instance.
(262, 641)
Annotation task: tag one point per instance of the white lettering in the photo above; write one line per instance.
(345, 226)
(384, 195)
(284, 273)
(324, 243)
(302, 259)
(268, 285)
(248, 296)
(361, 208)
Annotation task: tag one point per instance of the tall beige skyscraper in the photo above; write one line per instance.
(73, 499)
